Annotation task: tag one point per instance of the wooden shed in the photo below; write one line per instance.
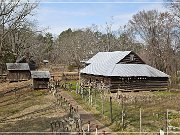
(122, 70)
(18, 72)
(40, 79)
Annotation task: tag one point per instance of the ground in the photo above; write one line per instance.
(154, 107)
(30, 110)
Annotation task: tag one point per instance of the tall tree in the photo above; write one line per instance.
(13, 16)
(157, 31)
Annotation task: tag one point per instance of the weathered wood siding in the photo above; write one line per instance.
(14, 76)
(126, 83)
(128, 59)
(139, 83)
(96, 81)
(40, 83)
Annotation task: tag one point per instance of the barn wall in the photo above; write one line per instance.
(96, 81)
(24, 75)
(18, 75)
(40, 83)
(126, 83)
(139, 83)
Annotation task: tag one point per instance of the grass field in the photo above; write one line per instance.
(153, 106)
(28, 111)
(32, 110)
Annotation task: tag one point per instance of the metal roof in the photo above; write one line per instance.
(40, 74)
(123, 70)
(45, 61)
(21, 60)
(108, 57)
(17, 66)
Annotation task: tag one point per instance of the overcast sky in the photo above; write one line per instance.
(59, 15)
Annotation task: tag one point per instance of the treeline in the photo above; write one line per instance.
(152, 34)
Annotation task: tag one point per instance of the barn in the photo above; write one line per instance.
(122, 70)
(40, 79)
(18, 72)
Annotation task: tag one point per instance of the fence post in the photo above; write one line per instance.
(91, 100)
(76, 88)
(89, 95)
(88, 126)
(95, 97)
(122, 112)
(70, 109)
(51, 127)
(82, 91)
(102, 102)
(140, 120)
(96, 129)
(111, 116)
(167, 121)
(77, 108)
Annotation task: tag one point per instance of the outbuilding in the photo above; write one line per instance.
(124, 71)
(18, 72)
(40, 79)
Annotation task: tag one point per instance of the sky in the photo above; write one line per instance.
(58, 15)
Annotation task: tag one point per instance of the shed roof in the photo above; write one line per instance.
(123, 70)
(17, 66)
(21, 60)
(108, 57)
(40, 74)
(45, 61)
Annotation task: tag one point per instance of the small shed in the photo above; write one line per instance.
(40, 79)
(18, 72)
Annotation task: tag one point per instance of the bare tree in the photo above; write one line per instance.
(13, 16)
(158, 32)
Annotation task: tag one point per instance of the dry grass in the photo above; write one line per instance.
(28, 111)
(6, 85)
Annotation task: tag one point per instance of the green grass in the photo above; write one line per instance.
(153, 114)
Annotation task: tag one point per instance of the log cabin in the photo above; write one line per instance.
(40, 79)
(124, 71)
(18, 72)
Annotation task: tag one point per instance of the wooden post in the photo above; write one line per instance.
(51, 127)
(76, 88)
(80, 124)
(102, 102)
(96, 129)
(167, 122)
(82, 92)
(140, 121)
(77, 108)
(88, 126)
(122, 112)
(95, 97)
(70, 109)
(111, 116)
(91, 100)
(89, 96)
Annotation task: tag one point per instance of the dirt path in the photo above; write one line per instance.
(87, 116)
